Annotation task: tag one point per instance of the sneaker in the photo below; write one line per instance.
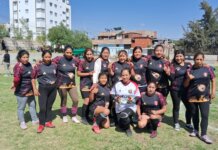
(65, 120)
(84, 121)
(189, 126)
(96, 129)
(177, 126)
(153, 134)
(23, 125)
(40, 128)
(35, 122)
(194, 133)
(129, 132)
(75, 120)
(206, 139)
(49, 124)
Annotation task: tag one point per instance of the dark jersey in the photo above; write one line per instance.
(140, 66)
(46, 74)
(154, 102)
(117, 68)
(6, 58)
(22, 79)
(156, 73)
(66, 69)
(86, 67)
(104, 66)
(102, 96)
(200, 86)
(177, 75)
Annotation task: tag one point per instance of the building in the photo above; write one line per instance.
(120, 39)
(38, 16)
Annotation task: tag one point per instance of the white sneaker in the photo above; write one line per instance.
(177, 126)
(65, 120)
(75, 120)
(23, 125)
(35, 122)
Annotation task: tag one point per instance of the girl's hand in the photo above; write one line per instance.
(91, 73)
(140, 117)
(95, 85)
(36, 92)
(213, 95)
(110, 65)
(13, 88)
(190, 76)
(167, 69)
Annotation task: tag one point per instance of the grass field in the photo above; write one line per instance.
(78, 136)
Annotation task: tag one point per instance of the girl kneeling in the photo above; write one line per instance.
(99, 102)
(151, 107)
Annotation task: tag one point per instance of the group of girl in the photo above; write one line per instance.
(126, 91)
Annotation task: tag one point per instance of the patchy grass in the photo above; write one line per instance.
(74, 136)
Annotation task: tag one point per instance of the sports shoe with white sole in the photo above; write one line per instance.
(65, 120)
(177, 127)
(206, 139)
(75, 120)
(35, 122)
(23, 125)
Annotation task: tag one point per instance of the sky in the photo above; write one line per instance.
(167, 17)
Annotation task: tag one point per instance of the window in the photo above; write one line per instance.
(64, 12)
(63, 1)
(26, 1)
(67, 18)
(56, 22)
(56, 14)
(15, 20)
(27, 20)
(51, 21)
(51, 4)
(55, 5)
(40, 10)
(26, 11)
(51, 12)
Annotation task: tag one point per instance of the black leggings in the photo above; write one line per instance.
(154, 124)
(125, 118)
(46, 99)
(204, 109)
(177, 96)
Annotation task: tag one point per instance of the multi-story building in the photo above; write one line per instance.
(39, 15)
(120, 39)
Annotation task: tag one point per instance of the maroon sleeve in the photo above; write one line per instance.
(56, 59)
(35, 72)
(77, 60)
(212, 75)
(17, 74)
(113, 67)
(162, 99)
(80, 67)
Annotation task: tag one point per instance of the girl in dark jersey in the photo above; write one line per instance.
(140, 64)
(177, 74)
(85, 71)
(66, 67)
(125, 93)
(23, 88)
(198, 81)
(151, 107)
(99, 102)
(157, 66)
(116, 67)
(101, 64)
(46, 75)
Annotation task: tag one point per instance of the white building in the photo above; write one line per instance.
(39, 15)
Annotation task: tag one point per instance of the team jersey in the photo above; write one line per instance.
(46, 74)
(117, 68)
(156, 73)
(86, 67)
(177, 75)
(128, 95)
(153, 102)
(140, 66)
(199, 87)
(22, 79)
(66, 69)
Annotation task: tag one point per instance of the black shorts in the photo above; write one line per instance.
(164, 91)
(84, 94)
(93, 106)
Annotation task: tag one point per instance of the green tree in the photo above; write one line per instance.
(81, 40)
(202, 34)
(41, 38)
(3, 31)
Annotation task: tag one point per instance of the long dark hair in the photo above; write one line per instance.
(45, 52)
(21, 53)
(86, 51)
(197, 54)
(66, 47)
(133, 51)
(176, 53)
(102, 50)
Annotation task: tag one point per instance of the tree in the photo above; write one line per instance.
(202, 34)
(81, 40)
(3, 31)
(60, 35)
(41, 38)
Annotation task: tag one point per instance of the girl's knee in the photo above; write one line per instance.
(107, 112)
